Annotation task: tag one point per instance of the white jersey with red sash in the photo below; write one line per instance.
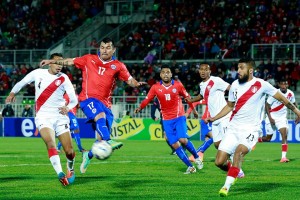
(212, 91)
(278, 110)
(249, 101)
(49, 91)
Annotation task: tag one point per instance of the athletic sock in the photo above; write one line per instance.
(70, 161)
(77, 140)
(205, 145)
(102, 129)
(284, 148)
(182, 155)
(58, 145)
(190, 147)
(231, 176)
(55, 160)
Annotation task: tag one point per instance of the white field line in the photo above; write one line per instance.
(165, 159)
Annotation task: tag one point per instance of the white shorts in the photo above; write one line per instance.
(60, 124)
(234, 136)
(279, 124)
(218, 129)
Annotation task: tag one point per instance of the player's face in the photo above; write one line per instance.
(106, 51)
(243, 72)
(204, 71)
(166, 75)
(54, 68)
(283, 85)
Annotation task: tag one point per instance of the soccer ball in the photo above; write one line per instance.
(101, 150)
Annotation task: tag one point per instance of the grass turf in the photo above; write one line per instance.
(144, 170)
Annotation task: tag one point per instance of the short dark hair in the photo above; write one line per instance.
(108, 40)
(165, 66)
(55, 54)
(249, 61)
(283, 80)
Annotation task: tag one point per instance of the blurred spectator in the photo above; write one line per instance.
(27, 111)
(8, 111)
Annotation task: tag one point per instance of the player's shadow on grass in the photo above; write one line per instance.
(81, 180)
(15, 178)
(257, 187)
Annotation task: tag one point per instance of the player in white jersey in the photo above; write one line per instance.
(245, 100)
(277, 117)
(212, 90)
(51, 113)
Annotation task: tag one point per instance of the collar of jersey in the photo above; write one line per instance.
(172, 82)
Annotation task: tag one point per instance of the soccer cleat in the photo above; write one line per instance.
(200, 154)
(63, 179)
(190, 170)
(199, 163)
(241, 174)
(115, 144)
(284, 160)
(71, 176)
(223, 192)
(82, 150)
(85, 162)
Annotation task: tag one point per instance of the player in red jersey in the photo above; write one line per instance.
(99, 75)
(169, 93)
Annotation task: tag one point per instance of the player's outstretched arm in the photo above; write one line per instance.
(10, 98)
(63, 62)
(288, 104)
(134, 83)
(228, 108)
(192, 100)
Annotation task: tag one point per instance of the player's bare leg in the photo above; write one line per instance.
(234, 170)
(66, 141)
(48, 137)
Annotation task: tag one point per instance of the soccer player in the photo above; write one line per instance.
(212, 90)
(99, 75)
(51, 113)
(74, 126)
(277, 117)
(246, 100)
(169, 93)
(205, 130)
(156, 106)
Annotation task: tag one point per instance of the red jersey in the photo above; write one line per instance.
(99, 77)
(202, 102)
(67, 98)
(169, 99)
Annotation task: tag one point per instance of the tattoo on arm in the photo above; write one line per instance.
(290, 106)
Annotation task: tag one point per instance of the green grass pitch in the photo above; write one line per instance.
(144, 170)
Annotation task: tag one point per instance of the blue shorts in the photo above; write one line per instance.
(205, 129)
(73, 122)
(91, 107)
(175, 129)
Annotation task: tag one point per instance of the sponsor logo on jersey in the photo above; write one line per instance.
(113, 66)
